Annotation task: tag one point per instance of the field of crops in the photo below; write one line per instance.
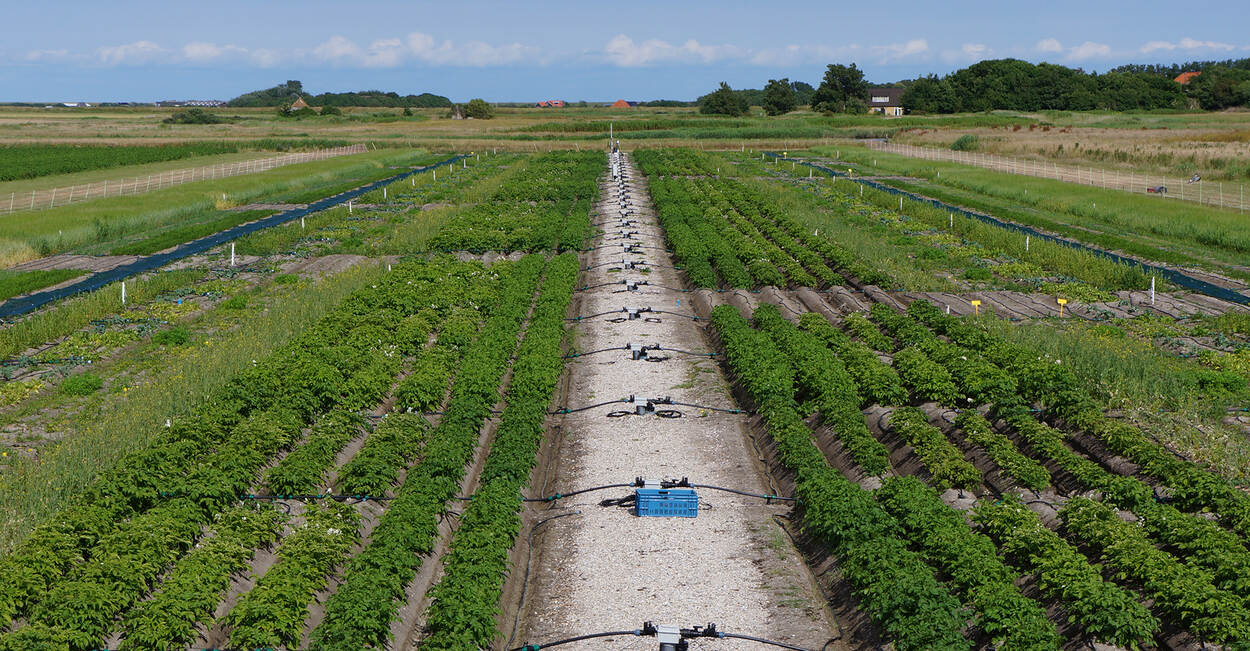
(349, 438)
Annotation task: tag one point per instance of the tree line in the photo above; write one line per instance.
(283, 94)
(1005, 84)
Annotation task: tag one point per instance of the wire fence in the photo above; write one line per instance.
(45, 199)
(1205, 192)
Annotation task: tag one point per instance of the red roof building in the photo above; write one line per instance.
(555, 103)
(1186, 77)
(620, 103)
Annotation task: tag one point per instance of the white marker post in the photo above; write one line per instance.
(1026, 243)
(232, 254)
(952, 221)
(1152, 290)
(123, 292)
(383, 194)
(349, 207)
(301, 223)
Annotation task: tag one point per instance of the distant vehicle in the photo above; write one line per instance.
(1157, 189)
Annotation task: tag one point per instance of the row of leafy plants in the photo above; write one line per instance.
(465, 603)
(359, 613)
(896, 587)
(146, 511)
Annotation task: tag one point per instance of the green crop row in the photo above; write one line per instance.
(894, 584)
(1013, 621)
(1104, 610)
(878, 382)
(1181, 591)
(394, 442)
(187, 597)
(1025, 471)
(1047, 382)
(271, 615)
(943, 460)
(822, 379)
(359, 613)
(303, 470)
(465, 603)
(205, 462)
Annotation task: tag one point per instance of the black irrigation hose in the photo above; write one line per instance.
(746, 493)
(557, 496)
(721, 409)
(569, 640)
(650, 631)
(566, 410)
(294, 496)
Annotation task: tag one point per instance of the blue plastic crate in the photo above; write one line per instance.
(666, 502)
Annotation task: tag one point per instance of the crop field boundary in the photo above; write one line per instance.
(47, 199)
(27, 304)
(1135, 183)
(1171, 275)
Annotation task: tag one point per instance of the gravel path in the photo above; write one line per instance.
(606, 569)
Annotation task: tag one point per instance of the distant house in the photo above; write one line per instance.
(554, 103)
(620, 103)
(76, 104)
(298, 104)
(1186, 77)
(888, 101)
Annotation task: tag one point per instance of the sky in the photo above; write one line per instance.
(72, 50)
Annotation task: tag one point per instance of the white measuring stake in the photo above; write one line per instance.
(349, 207)
(301, 223)
(1026, 243)
(1152, 290)
(232, 254)
(952, 221)
(123, 292)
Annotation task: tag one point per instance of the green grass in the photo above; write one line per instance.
(16, 283)
(101, 222)
(181, 234)
(32, 161)
(1146, 226)
(77, 312)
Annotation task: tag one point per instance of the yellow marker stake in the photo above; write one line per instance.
(1062, 302)
(976, 306)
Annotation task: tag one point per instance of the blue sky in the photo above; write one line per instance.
(518, 51)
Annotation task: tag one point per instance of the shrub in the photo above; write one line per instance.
(82, 384)
(172, 337)
(966, 142)
(331, 110)
(234, 303)
(193, 116)
(479, 109)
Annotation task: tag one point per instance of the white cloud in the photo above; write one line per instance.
(1186, 44)
(49, 56)
(623, 51)
(896, 51)
(201, 52)
(132, 53)
(975, 50)
(394, 52)
(800, 54)
(1088, 50)
(1049, 45)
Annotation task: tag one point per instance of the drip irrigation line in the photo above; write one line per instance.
(721, 409)
(566, 410)
(688, 316)
(294, 496)
(735, 491)
(651, 630)
(529, 560)
(591, 316)
(556, 496)
(569, 640)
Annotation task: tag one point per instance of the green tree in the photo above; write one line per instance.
(779, 97)
(479, 109)
(803, 92)
(930, 95)
(840, 85)
(331, 110)
(723, 101)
